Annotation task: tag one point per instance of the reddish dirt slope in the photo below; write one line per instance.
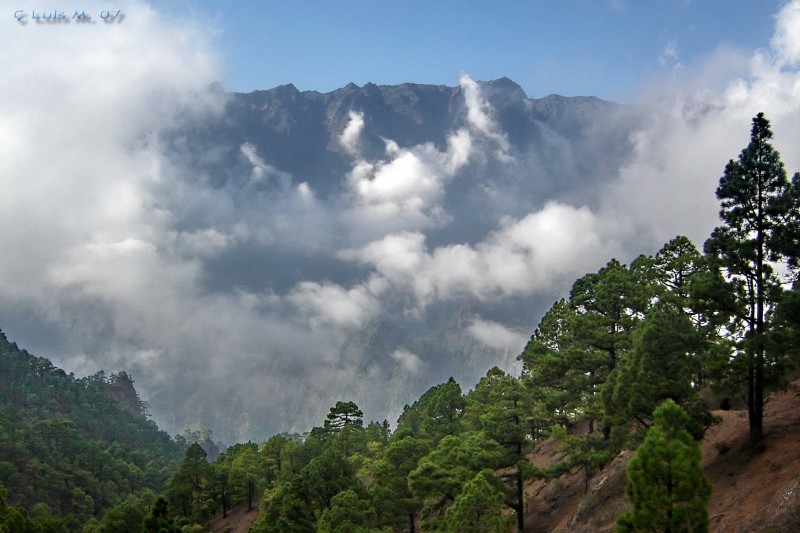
(239, 521)
(753, 492)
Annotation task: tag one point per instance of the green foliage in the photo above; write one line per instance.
(348, 513)
(297, 504)
(499, 406)
(125, 517)
(666, 339)
(158, 521)
(245, 470)
(394, 502)
(555, 388)
(344, 415)
(479, 507)
(68, 446)
(441, 475)
(436, 414)
(13, 519)
(759, 209)
(190, 492)
(608, 306)
(666, 484)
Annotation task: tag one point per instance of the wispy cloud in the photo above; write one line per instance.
(670, 57)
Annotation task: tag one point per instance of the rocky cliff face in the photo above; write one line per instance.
(297, 132)
(120, 388)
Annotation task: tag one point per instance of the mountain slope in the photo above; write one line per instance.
(752, 492)
(270, 176)
(298, 132)
(68, 444)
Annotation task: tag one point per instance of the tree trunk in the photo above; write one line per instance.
(520, 506)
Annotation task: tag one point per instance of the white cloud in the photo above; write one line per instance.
(81, 156)
(498, 336)
(408, 361)
(262, 172)
(542, 250)
(405, 190)
(326, 304)
(351, 135)
(479, 116)
(670, 57)
(786, 41)
(693, 129)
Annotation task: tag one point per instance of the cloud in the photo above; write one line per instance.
(786, 42)
(544, 249)
(351, 135)
(408, 361)
(330, 304)
(429, 260)
(497, 336)
(80, 172)
(693, 129)
(405, 190)
(479, 116)
(670, 57)
(262, 172)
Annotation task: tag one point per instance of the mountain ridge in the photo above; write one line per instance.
(297, 132)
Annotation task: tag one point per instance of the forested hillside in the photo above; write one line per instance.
(68, 448)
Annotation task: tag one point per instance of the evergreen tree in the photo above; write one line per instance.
(479, 508)
(435, 414)
(158, 521)
(188, 489)
(556, 389)
(498, 406)
(608, 305)
(245, 471)
(442, 474)
(758, 205)
(13, 519)
(659, 367)
(395, 504)
(349, 513)
(342, 415)
(666, 485)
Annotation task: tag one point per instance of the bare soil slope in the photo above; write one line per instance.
(753, 492)
(239, 520)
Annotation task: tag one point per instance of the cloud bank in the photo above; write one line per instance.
(253, 306)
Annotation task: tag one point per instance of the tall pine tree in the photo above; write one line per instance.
(757, 201)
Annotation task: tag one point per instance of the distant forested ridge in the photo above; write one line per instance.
(72, 448)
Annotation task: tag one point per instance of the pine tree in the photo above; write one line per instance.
(479, 508)
(666, 484)
(659, 367)
(757, 204)
(499, 406)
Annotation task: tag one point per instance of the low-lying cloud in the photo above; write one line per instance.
(253, 306)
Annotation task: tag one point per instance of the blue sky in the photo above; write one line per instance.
(603, 48)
